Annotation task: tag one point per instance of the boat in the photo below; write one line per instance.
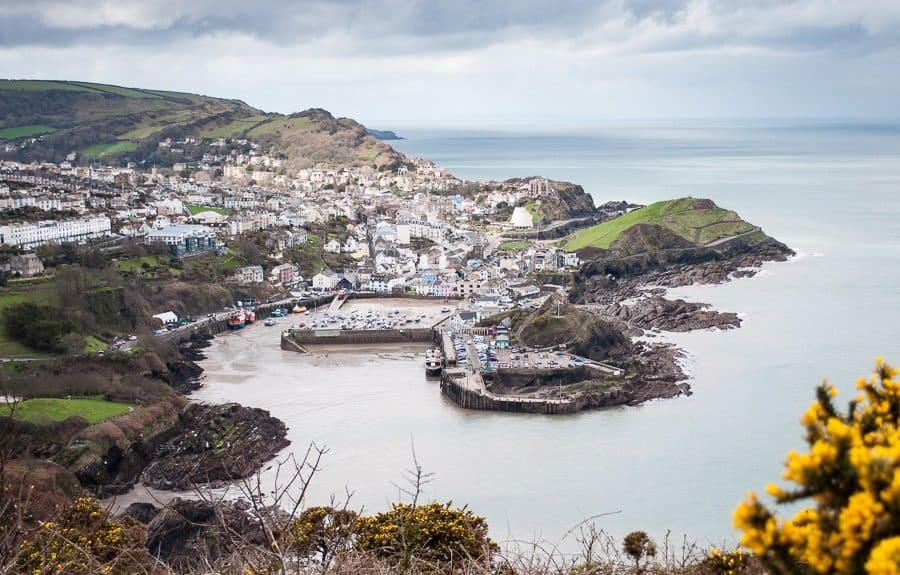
(269, 322)
(237, 320)
(249, 316)
(445, 309)
(434, 362)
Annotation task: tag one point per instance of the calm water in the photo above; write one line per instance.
(832, 192)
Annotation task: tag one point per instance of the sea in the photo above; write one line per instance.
(828, 189)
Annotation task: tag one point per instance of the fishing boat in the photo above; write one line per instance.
(249, 316)
(237, 320)
(269, 322)
(434, 362)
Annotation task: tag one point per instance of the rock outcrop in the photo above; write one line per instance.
(217, 444)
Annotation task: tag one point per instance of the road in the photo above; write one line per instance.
(728, 239)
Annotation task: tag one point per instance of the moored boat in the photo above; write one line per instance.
(434, 362)
(237, 320)
(269, 321)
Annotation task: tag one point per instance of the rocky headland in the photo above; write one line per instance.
(618, 300)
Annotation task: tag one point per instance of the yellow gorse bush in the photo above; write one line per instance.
(851, 479)
(86, 540)
(434, 533)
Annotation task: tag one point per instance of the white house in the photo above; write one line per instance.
(325, 280)
(249, 275)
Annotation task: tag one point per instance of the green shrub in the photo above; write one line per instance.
(434, 534)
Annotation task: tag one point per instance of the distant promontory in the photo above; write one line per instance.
(384, 134)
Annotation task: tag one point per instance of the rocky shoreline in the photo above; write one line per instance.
(619, 302)
(218, 444)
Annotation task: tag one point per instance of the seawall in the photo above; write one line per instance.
(468, 398)
(291, 339)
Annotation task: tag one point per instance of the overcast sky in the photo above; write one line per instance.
(394, 63)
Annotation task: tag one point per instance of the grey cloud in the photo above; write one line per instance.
(665, 10)
(417, 26)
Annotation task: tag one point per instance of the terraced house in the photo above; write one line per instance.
(30, 236)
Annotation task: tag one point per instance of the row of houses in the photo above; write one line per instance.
(31, 235)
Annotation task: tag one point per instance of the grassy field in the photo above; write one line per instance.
(535, 214)
(55, 409)
(25, 131)
(701, 225)
(194, 210)
(41, 85)
(154, 263)
(229, 263)
(368, 153)
(272, 126)
(142, 132)
(117, 90)
(100, 150)
(514, 246)
(137, 264)
(236, 127)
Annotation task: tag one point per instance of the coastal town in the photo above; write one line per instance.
(241, 234)
(413, 230)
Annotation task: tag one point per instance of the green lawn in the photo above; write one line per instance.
(194, 210)
(93, 344)
(55, 409)
(514, 246)
(100, 150)
(230, 263)
(137, 264)
(696, 225)
(25, 131)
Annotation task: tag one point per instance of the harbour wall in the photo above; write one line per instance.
(475, 399)
(290, 339)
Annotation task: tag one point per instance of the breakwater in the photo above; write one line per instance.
(468, 394)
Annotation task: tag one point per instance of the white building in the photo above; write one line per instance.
(249, 275)
(325, 280)
(184, 240)
(521, 218)
(29, 236)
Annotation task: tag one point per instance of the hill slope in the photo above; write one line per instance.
(699, 222)
(46, 120)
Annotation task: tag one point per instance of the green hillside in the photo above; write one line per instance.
(698, 221)
(116, 123)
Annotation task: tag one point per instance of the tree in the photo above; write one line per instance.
(638, 546)
(73, 343)
(158, 248)
(33, 325)
(850, 482)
